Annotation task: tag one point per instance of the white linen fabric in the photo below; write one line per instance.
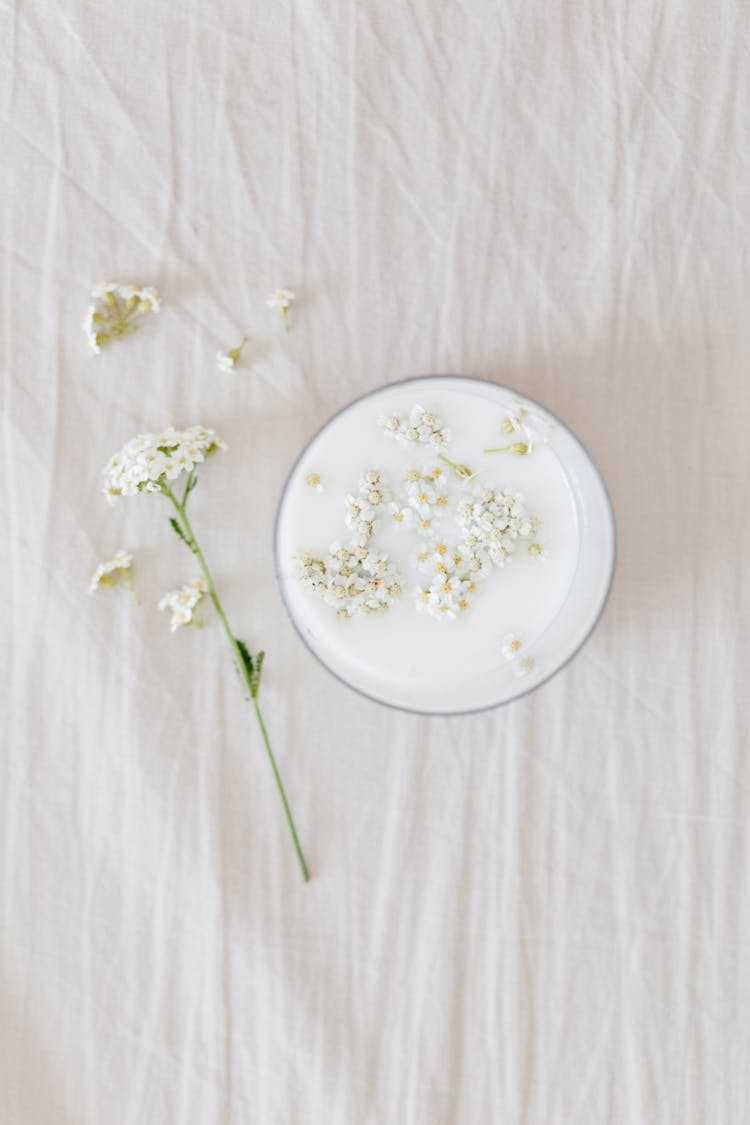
(539, 915)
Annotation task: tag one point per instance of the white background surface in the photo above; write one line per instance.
(535, 916)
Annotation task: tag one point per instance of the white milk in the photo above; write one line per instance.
(403, 657)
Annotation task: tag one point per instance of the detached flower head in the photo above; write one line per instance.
(280, 300)
(521, 420)
(114, 572)
(148, 462)
(493, 520)
(511, 646)
(114, 310)
(511, 649)
(523, 667)
(184, 602)
(422, 427)
(352, 578)
(227, 361)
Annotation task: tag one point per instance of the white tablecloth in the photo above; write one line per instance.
(539, 915)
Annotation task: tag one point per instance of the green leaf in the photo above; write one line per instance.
(253, 668)
(179, 532)
(258, 673)
(247, 660)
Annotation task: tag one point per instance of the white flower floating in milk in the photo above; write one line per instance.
(463, 531)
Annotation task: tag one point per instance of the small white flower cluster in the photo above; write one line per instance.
(114, 572)
(362, 510)
(352, 578)
(314, 481)
(445, 597)
(184, 602)
(427, 496)
(421, 426)
(511, 647)
(452, 583)
(114, 310)
(493, 520)
(148, 461)
(490, 520)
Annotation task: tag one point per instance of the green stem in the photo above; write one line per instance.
(280, 787)
(128, 585)
(239, 663)
(520, 448)
(463, 472)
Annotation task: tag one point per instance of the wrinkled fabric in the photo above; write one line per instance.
(538, 915)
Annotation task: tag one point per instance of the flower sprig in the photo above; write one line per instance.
(280, 300)
(228, 360)
(421, 426)
(518, 448)
(185, 602)
(114, 311)
(147, 462)
(463, 472)
(116, 572)
(529, 425)
(153, 463)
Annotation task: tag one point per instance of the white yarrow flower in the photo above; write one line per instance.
(280, 300)
(228, 360)
(352, 578)
(114, 572)
(524, 666)
(147, 462)
(511, 646)
(401, 517)
(114, 310)
(184, 602)
(421, 426)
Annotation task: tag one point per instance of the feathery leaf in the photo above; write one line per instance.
(247, 660)
(179, 532)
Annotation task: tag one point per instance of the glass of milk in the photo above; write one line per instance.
(444, 545)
